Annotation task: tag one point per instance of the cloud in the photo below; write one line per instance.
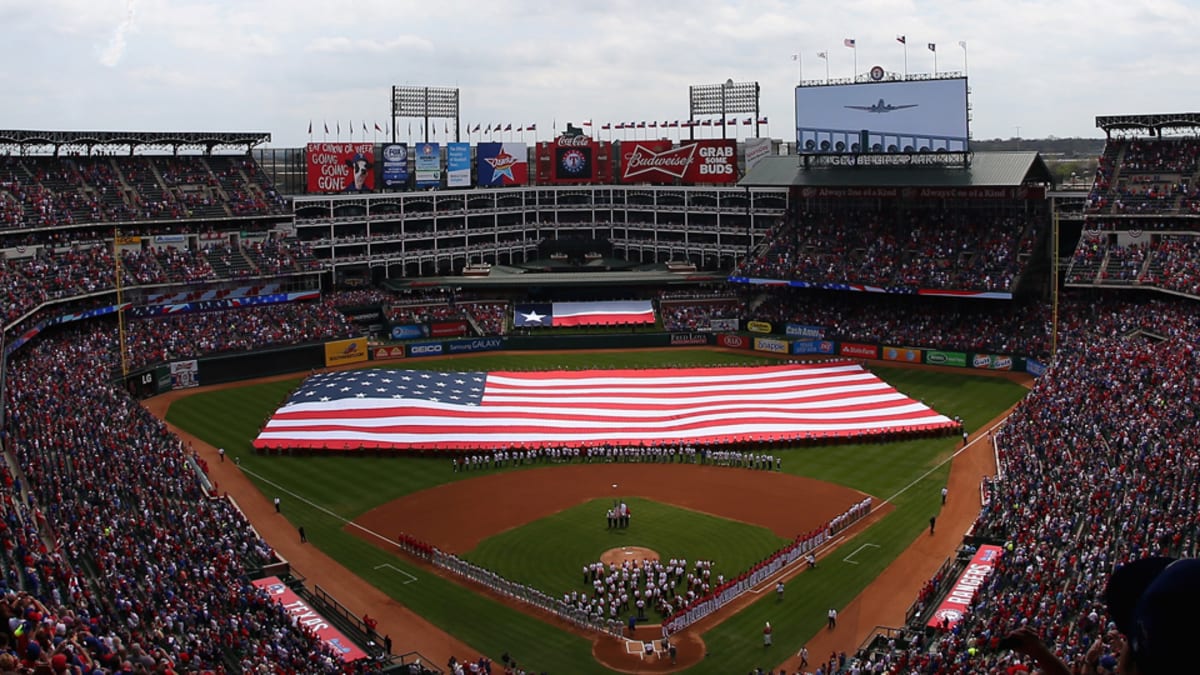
(345, 45)
(111, 55)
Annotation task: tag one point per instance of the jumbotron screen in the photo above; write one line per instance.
(882, 117)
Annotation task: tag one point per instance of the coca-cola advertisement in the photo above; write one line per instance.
(704, 161)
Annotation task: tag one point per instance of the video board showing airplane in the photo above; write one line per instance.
(882, 117)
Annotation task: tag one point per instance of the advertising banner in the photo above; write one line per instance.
(341, 352)
(395, 165)
(935, 357)
(573, 159)
(1035, 368)
(341, 167)
(992, 362)
(387, 353)
(428, 165)
(802, 331)
(501, 164)
(858, 350)
(476, 345)
(714, 161)
(733, 341)
(458, 165)
(425, 349)
(680, 339)
(955, 604)
(184, 374)
(705, 161)
(307, 617)
(408, 332)
(813, 346)
(651, 162)
(771, 345)
(905, 354)
(756, 149)
(758, 326)
(448, 328)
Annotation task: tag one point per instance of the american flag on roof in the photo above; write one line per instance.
(416, 409)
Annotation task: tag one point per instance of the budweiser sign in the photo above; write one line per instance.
(653, 163)
(706, 161)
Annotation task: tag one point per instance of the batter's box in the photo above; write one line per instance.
(855, 552)
(392, 567)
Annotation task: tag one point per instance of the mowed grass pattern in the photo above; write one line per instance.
(322, 492)
(549, 553)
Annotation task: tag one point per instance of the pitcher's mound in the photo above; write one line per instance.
(631, 553)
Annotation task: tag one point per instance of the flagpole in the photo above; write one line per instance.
(963, 44)
(905, 45)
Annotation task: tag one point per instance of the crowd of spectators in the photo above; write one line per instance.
(1147, 175)
(1166, 261)
(965, 250)
(43, 191)
(698, 313)
(128, 562)
(1098, 468)
(174, 336)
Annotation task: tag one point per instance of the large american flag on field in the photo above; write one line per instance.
(418, 409)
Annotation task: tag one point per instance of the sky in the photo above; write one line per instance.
(1035, 69)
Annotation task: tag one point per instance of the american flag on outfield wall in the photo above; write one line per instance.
(415, 409)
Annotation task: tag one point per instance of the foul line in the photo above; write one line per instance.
(317, 506)
(411, 578)
(942, 463)
(855, 552)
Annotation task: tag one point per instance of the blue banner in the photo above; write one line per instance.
(409, 331)
(1034, 368)
(395, 165)
(476, 345)
(458, 165)
(501, 164)
(802, 331)
(425, 349)
(428, 164)
(812, 347)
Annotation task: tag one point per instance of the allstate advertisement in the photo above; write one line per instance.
(813, 346)
(428, 164)
(501, 164)
(458, 165)
(395, 165)
(409, 331)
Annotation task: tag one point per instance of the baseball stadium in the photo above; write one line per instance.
(865, 400)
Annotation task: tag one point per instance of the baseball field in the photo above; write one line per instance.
(540, 524)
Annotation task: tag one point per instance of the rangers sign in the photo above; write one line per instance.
(706, 161)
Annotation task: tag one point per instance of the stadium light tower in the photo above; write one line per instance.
(723, 99)
(425, 103)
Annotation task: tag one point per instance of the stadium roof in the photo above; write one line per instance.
(133, 139)
(986, 169)
(1154, 124)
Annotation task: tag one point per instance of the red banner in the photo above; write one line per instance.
(447, 328)
(341, 167)
(387, 353)
(858, 350)
(308, 618)
(734, 341)
(951, 610)
(574, 159)
(652, 162)
(715, 161)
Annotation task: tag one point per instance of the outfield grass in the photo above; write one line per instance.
(549, 553)
(339, 488)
